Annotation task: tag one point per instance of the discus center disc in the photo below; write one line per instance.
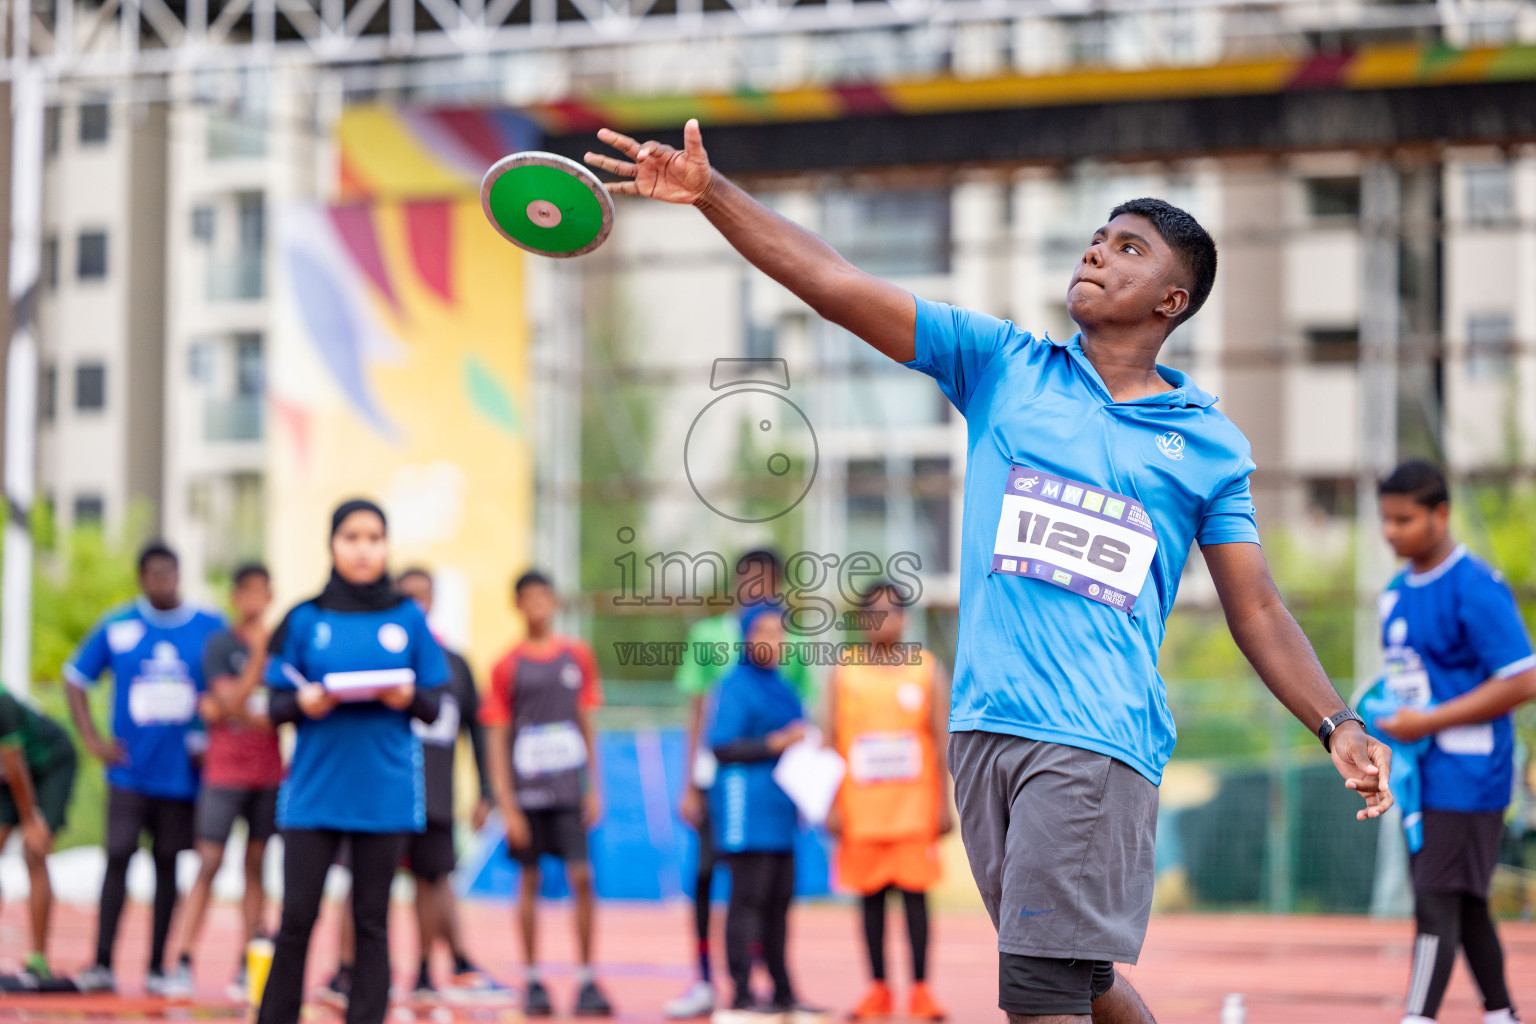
(544, 213)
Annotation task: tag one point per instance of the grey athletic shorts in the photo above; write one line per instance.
(1060, 841)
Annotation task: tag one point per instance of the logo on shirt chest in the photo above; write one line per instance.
(393, 637)
(570, 675)
(1171, 444)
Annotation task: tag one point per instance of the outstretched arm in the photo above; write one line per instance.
(1274, 644)
(877, 311)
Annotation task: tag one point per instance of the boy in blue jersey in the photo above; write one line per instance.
(154, 650)
(1090, 472)
(1459, 659)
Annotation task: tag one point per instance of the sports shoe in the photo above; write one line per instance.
(475, 983)
(424, 990)
(748, 1011)
(236, 989)
(177, 984)
(536, 1001)
(922, 1006)
(697, 1000)
(590, 1002)
(796, 1012)
(876, 1004)
(154, 983)
(96, 978)
(336, 991)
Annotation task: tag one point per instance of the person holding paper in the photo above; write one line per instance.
(757, 717)
(350, 668)
(889, 719)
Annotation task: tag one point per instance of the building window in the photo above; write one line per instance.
(51, 132)
(94, 120)
(202, 224)
(1490, 344)
(1490, 200)
(90, 509)
(1333, 496)
(1333, 199)
(91, 256)
(931, 487)
(200, 361)
(90, 387)
(890, 231)
(250, 368)
(866, 504)
(253, 221)
(51, 263)
(1333, 344)
(48, 393)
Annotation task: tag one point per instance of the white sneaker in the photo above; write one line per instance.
(154, 983)
(177, 984)
(698, 1000)
(96, 978)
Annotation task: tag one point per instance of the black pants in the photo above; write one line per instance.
(703, 883)
(762, 887)
(916, 905)
(307, 856)
(169, 824)
(1448, 921)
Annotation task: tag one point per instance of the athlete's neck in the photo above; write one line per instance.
(540, 634)
(1435, 555)
(246, 628)
(1126, 359)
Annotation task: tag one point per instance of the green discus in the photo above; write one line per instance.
(547, 204)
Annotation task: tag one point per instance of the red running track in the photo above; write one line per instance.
(1290, 969)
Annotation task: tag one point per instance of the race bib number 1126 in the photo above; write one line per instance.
(1089, 540)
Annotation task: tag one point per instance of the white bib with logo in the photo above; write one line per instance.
(885, 757)
(547, 749)
(162, 701)
(1089, 540)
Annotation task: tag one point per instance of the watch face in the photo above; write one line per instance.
(751, 455)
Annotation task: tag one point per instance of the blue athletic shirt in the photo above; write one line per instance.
(156, 660)
(1445, 632)
(1035, 659)
(751, 813)
(358, 769)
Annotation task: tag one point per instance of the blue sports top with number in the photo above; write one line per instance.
(156, 660)
(358, 769)
(1044, 655)
(1445, 632)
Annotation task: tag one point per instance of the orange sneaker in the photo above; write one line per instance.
(922, 1005)
(876, 1004)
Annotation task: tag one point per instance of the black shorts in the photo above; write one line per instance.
(51, 787)
(129, 814)
(1047, 986)
(219, 806)
(1459, 853)
(557, 833)
(430, 855)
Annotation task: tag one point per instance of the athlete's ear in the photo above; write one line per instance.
(1174, 303)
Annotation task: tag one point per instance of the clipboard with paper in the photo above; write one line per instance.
(810, 775)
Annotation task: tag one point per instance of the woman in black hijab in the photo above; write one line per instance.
(349, 668)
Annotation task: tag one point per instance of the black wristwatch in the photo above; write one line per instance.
(1332, 722)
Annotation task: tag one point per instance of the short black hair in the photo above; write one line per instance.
(531, 578)
(249, 569)
(1184, 235)
(414, 570)
(765, 556)
(882, 587)
(1420, 480)
(156, 549)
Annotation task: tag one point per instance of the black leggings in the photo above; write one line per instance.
(1447, 920)
(916, 906)
(703, 883)
(307, 856)
(114, 891)
(762, 887)
(169, 824)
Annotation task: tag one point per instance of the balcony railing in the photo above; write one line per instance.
(241, 418)
(237, 278)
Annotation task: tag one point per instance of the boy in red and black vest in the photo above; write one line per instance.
(543, 763)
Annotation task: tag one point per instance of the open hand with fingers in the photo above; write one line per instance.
(656, 170)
